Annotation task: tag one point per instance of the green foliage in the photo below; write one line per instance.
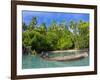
(51, 39)
(42, 29)
(32, 23)
(64, 43)
(26, 40)
(56, 36)
(80, 34)
(83, 28)
(24, 26)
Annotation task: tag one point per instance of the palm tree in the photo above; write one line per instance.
(74, 28)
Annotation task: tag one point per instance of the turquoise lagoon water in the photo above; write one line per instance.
(34, 61)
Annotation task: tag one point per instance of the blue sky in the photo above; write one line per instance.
(47, 17)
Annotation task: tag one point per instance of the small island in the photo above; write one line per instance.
(57, 41)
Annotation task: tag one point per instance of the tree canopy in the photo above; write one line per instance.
(62, 36)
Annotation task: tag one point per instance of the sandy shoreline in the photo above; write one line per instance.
(71, 50)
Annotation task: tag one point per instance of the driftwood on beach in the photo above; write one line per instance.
(66, 58)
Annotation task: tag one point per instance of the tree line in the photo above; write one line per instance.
(62, 36)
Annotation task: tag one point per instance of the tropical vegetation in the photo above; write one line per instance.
(62, 36)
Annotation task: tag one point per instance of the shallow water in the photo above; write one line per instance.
(34, 61)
